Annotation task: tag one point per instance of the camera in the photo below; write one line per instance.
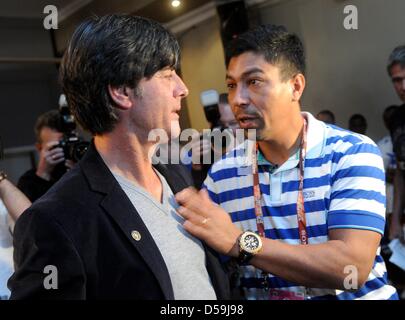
(220, 136)
(73, 146)
(210, 100)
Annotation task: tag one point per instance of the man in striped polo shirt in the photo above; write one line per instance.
(312, 194)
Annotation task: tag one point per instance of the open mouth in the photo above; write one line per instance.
(247, 121)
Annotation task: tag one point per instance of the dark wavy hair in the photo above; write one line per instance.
(276, 44)
(50, 119)
(397, 56)
(116, 50)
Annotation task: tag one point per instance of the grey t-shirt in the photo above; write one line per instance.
(183, 254)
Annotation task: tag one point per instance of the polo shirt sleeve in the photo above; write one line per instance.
(357, 199)
(209, 184)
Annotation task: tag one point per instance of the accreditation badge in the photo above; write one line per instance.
(275, 294)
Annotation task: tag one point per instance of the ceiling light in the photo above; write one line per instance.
(176, 3)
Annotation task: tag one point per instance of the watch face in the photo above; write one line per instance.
(250, 242)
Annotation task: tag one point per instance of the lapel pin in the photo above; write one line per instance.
(136, 235)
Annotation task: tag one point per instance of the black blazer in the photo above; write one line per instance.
(83, 227)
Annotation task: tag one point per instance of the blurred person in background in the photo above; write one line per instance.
(326, 116)
(52, 163)
(396, 72)
(387, 153)
(358, 124)
(202, 146)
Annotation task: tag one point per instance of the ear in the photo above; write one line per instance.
(297, 86)
(38, 146)
(122, 96)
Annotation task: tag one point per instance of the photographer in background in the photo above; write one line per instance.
(52, 162)
(326, 116)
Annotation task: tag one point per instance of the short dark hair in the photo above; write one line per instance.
(358, 117)
(50, 119)
(329, 114)
(357, 120)
(276, 44)
(397, 56)
(116, 50)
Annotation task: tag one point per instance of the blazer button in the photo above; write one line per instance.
(136, 235)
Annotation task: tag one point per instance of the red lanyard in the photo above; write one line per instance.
(300, 201)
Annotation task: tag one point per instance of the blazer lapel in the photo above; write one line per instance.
(120, 208)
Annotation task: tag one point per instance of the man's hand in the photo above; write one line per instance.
(208, 221)
(48, 159)
(69, 164)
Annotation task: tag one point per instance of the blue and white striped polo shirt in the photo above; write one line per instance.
(344, 187)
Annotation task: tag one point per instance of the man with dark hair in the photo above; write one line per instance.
(396, 71)
(326, 116)
(358, 124)
(52, 163)
(307, 200)
(110, 225)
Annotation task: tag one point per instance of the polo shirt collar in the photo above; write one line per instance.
(315, 145)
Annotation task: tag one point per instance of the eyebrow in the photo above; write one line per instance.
(246, 73)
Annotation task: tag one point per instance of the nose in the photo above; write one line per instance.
(239, 97)
(181, 89)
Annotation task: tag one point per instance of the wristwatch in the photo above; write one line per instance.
(2, 176)
(249, 245)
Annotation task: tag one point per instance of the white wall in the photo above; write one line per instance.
(346, 70)
(202, 66)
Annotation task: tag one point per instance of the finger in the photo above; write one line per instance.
(195, 230)
(191, 216)
(56, 156)
(55, 159)
(185, 194)
(69, 164)
(52, 144)
(204, 194)
(195, 203)
(55, 150)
